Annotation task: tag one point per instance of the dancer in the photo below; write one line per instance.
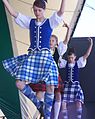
(58, 51)
(38, 65)
(72, 88)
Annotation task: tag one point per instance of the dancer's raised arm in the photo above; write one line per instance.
(10, 9)
(67, 38)
(89, 49)
(61, 10)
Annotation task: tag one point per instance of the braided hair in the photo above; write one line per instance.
(40, 3)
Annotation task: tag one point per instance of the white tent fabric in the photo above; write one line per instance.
(20, 37)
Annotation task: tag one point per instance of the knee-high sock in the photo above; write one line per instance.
(79, 113)
(57, 106)
(65, 114)
(29, 93)
(48, 105)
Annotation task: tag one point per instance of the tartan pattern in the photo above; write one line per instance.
(79, 113)
(65, 114)
(28, 92)
(41, 86)
(35, 67)
(48, 105)
(12, 64)
(60, 85)
(72, 92)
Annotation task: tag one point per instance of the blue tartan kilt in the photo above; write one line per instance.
(33, 67)
(72, 92)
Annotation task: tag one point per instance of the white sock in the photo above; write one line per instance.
(57, 106)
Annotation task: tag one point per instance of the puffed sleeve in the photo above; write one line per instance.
(23, 21)
(62, 63)
(62, 48)
(81, 62)
(55, 20)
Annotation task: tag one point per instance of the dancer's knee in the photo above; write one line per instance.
(79, 104)
(20, 84)
(58, 96)
(50, 89)
(64, 106)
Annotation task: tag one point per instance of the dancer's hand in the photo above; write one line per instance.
(65, 25)
(90, 40)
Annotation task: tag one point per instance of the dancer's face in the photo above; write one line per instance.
(71, 58)
(39, 12)
(53, 42)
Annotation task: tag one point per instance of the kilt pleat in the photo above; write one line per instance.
(13, 64)
(41, 86)
(73, 92)
(33, 67)
(60, 87)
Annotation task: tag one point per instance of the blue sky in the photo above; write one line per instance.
(86, 23)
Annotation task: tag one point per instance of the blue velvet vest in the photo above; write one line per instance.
(72, 74)
(40, 35)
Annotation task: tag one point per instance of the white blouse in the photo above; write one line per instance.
(80, 62)
(62, 48)
(24, 21)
